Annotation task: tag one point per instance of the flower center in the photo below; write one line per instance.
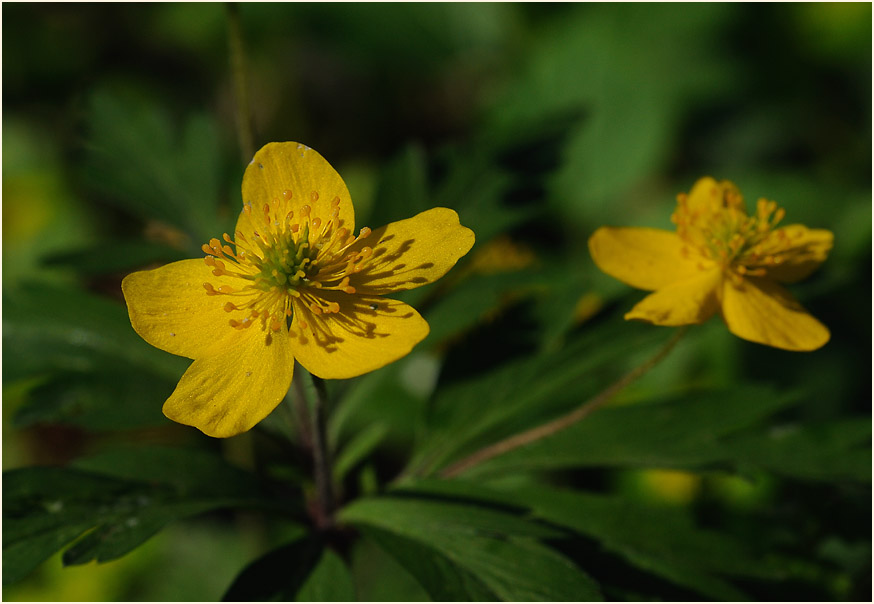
(284, 264)
(721, 231)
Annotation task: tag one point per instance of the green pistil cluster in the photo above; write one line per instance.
(288, 265)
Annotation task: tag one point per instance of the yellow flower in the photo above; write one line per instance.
(720, 259)
(297, 284)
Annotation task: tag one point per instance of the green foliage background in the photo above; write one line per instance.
(731, 471)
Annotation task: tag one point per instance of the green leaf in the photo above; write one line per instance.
(330, 581)
(496, 548)
(662, 541)
(97, 401)
(403, 187)
(525, 392)
(121, 498)
(442, 579)
(137, 158)
(60, 328)
(114, 257)
(834, 451)
(358, 448)
(678, 431)
(278, 575)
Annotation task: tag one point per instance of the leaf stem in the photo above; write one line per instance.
(321, 459)
(556, 425)
(241, 88)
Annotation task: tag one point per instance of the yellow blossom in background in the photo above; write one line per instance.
(296, 285)
(720, 260)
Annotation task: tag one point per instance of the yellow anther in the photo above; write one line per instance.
(227, 238)
(366, 251)
(286, 194)
(215, 244)
(226, 289)
(314, 196)
(305, 211)
(364, 232)
(335, 202)
(333, 307)
(275, 325)
(317, 222)
(349, 289)
(342, 233)
(209, 261)
(302, 324)
(295, 228)
(315, 309)
(209, 289)
(207, 250)
(230, 306)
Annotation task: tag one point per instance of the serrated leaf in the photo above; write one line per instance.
(134, 496)
(495, 547)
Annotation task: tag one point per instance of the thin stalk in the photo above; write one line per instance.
(556, 425)
(302, 414)
(241, 85)
(321, 459)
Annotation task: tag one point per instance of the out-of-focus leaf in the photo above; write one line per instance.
(114, 257)
(834, 451)
(679, 431)
(403, 188)
(277, 575)
(137, 158)
(357, 449)
(136, 494)
(330, 581)
(379, 577)
(97, 401)
(49, 328)
(498, 548)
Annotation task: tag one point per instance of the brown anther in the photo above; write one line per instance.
(333, 307)
(364, 232)
(295, 228)
(226, 289)
(314, 196)
(366, 251)
(286, 194)
(302, 324)
(227, 238)
(215, 244)
(317, 222)
(230, 306)
(305, 211)
(341, 233)
(209, 289)
(207, 250)
(335, 202)
(275, 325)
(349, 289)
(209, 261)
(227, 250)
(315, 309)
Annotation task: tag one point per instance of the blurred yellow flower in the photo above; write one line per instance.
(720, 259)
(297, 284)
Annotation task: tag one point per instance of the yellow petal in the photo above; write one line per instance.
(687, 302)
(412, 252)
(235, 385)
(803, 250)
(369, 332)
(762, 311)
(644, 258)
(280, 167)
(170, 309)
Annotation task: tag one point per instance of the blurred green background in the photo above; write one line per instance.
(538, 122)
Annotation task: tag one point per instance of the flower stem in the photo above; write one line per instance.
(556, 425)
(241, 88)
(321, 459)
(303, 423)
